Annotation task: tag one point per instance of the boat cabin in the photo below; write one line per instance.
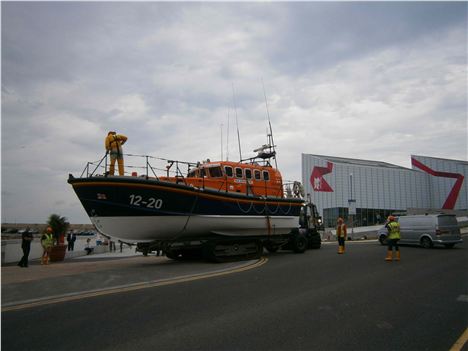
(245, 178)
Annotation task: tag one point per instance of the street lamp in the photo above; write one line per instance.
(351, 204)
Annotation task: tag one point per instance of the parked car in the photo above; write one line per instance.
(86, 233)
(426, 230)
(11, 231)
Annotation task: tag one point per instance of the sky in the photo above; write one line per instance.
(366, 80)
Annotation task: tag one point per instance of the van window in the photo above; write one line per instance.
(447, 221)
(416, 221)
(248, 174)
(266, 175)
(257, 174)
(228, 170)
(215, 172)
(239, 173)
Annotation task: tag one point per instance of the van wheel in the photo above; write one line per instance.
(426, 242)
(383, 239)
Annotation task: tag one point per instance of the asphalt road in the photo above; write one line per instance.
(313, 301)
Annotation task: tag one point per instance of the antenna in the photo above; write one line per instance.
(270, 136)
(221, 127)
(227, 142)
(237, 122)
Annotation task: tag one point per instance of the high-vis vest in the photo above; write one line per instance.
(393, 230)
(49, 240)
(341, 230)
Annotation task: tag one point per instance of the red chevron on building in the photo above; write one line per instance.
(452, 197)
(317, 181)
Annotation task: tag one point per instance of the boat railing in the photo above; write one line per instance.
(139, 165)
(150, 166)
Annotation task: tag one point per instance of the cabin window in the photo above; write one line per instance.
(239, 172)
(192, 174)
(228, 170)
(257, 174)
(266, 175)
(248, 174)
(215, 172)
(202, 172)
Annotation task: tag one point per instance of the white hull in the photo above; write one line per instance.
(151, 228)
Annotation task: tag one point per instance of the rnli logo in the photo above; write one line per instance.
(317, 180)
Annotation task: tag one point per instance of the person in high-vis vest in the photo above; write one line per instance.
(47, 241)
(113, 144)
(341, 235)
(393, 228)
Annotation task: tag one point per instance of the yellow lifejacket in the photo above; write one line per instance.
(114, 142)
(393, 230)
(341, 230)
(49, 240)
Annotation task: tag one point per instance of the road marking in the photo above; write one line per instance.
(460, 342)
(125, 288)
(463, 298)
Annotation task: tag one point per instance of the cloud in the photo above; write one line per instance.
(378, 81)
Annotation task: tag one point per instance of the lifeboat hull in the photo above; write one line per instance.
(136, 209)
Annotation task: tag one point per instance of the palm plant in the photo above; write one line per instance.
(59, 226)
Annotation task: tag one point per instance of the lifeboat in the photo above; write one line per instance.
(242, 199)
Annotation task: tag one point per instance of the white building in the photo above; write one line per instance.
(371, 190)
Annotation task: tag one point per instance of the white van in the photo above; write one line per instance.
(426, 230)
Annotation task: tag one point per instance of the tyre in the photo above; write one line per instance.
(315, 242)
(299, 243)
(271, 248)
(383, 240)
(449, 246)
(173, 255)
(426, 242)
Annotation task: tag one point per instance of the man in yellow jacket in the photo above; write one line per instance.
(393, 237)
(47, 241)
(113, 145)
(341, 234)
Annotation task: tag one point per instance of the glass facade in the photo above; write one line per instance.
(377, 189)
(363, 216)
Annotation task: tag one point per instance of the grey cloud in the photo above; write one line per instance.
(319, 35)
(162, 74)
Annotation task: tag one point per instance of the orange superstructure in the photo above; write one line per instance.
(236, 177)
